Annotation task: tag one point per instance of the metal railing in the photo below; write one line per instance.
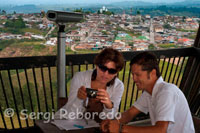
(28, 85)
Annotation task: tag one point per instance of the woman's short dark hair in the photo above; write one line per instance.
(148, 61)
(106, 55)
(110, 54)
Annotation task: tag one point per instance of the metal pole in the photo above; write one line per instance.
(60, 18)
(61, 59)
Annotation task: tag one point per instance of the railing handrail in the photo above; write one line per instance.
(10, 63)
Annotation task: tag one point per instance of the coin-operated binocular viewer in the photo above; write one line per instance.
(61, 17)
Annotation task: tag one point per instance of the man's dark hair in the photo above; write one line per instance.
(148, 61)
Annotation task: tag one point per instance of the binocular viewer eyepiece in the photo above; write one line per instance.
(64, 17)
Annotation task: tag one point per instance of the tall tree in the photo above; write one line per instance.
(138, 12)
(3, 12)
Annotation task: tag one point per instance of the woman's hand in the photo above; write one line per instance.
(104, 98)
(82, 94)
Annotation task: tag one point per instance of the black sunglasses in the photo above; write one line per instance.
(110, 70)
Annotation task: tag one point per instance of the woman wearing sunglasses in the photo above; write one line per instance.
(104, 80)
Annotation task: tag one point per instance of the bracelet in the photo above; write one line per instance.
(120, 128)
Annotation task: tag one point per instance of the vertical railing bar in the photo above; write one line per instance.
(176, 69)
(192, 84)
(21, 93)
(193, 101)
(127, 90)
(159, 63)
(14, 98)
(79, 67)
(180, 70)
(72, 69)
(2, 116)
(124, 72)
(182, 80)
(66, 80)
(56, 100)
(36, 89)
(4, 92)
(132, 94)
(167, 68)
(171, 69)
(163, 65)
(87, 66)
(44, 89)
(6, 99)
(159, 60)
(72, 72)
(29, 92)
(120, 105)
(51, 89)
(196, 71)
(123, 82)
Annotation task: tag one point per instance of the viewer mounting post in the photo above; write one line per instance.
(61, 18)
(61, 61)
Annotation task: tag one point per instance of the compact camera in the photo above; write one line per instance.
(91, 93)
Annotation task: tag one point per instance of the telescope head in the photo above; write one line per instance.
(64, 17)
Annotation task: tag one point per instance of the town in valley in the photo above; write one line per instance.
(124, 32)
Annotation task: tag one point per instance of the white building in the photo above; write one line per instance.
(103, 9)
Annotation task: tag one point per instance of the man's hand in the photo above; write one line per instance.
(113, 126)
(82, 94)
(104, 125)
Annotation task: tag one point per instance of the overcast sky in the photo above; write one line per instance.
(38, 2)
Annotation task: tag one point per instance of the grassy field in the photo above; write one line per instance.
(130, 94)
(35, 31)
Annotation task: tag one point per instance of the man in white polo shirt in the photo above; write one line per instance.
(165, 102)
